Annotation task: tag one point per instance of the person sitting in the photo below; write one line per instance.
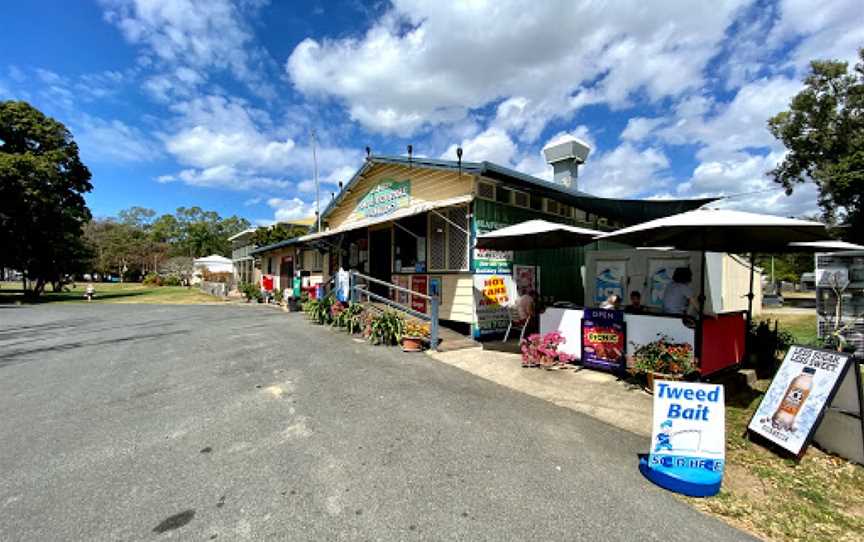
(612, 303)
(526, 305)
(635, 306)
(678, 297)
(89, 292)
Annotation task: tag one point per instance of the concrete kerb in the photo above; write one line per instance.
(599, 395)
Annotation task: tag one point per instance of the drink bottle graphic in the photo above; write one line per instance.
(793, 400)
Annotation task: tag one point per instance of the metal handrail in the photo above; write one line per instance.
(391, 285)
(432, 317)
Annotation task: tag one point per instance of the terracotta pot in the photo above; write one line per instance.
(661, 376)
(412, 344)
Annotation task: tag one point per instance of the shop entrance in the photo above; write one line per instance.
(380, 259)
(286, 272)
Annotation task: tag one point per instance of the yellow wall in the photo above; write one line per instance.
(457, 303)
(426, 185)
(736, 284)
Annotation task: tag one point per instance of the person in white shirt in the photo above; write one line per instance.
(679, 294)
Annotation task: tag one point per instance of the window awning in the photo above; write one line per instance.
(411, 210)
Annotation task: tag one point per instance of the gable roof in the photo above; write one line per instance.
(627, 211)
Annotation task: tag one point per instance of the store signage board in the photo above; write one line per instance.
(796, 401)
(492, 295)
(604, 340)
(419, 284)
(487, 261)
(688, 438)
(384, 199)
(527, 278)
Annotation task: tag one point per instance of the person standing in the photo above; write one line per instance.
(678, 297)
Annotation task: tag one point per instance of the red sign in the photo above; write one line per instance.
(419, 284)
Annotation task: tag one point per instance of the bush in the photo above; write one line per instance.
(349, 317)
(663, 356)
(250, 291)
(387, 329)
(542, 350)
(152, 279)
(171, 280)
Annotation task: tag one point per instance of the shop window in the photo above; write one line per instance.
(579, 214)
(551, 206)
(503, 195)
(520, 199)
(536, 202)
(457, 239)
(486, 190)
(448, 240)
(269, 265)
(409, 244)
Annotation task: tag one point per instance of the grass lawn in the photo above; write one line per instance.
(821, 498)
(801, 323)
(130, 292)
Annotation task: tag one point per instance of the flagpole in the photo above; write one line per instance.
(315, 176)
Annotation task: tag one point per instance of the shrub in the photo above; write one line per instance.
(250, 291)
(387, 329)
(224, 276)
(171, 280)
(415, 328)
(152, 279)
(542, 350)
(663, 356)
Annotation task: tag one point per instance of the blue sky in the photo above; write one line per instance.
(180, 103)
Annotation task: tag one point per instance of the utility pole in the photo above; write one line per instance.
(315, 176)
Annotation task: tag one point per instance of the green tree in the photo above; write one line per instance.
(824, 132)
(42, 187)
(268, 235)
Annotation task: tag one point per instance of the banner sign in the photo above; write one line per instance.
(841, 430)
(794, 404)
(688, 437)
(527, 278)
(492, 295)
(487, 261)
(609, 279)
(419, 284)
(604, 340)
(385, 198)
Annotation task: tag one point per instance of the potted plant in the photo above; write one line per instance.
(542, 350)
(387, 329)
(416, 336)
(663, 359)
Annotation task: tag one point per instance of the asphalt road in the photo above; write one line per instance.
(123, 422)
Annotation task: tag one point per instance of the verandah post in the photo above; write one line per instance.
(433, 331)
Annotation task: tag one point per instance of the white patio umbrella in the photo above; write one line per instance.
(721, 230)
(830, 245)
(536, 234)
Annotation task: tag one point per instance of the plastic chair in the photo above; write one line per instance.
(515, 319)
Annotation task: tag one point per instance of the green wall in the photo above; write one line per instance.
(560, 275)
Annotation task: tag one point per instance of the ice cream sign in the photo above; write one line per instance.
(688, 438)
(384, 198)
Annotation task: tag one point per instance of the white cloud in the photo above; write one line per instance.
(290, 209)
(194, 35)
(228, 142)
(493, 145)
(429, 63)
(113, 141)
(625, 171)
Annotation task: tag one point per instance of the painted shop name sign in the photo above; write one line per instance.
(385, 198)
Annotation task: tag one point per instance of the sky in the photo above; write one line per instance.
(212, 103)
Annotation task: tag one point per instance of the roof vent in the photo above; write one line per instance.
(565, 155)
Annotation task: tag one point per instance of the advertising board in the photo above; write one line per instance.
(492, 295)
(688, 438)
(604, 340)
(793, 406)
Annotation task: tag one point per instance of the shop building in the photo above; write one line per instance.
(412, 222)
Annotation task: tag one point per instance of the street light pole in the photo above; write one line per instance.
(315, 176)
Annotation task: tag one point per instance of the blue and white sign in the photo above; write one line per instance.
(688, 443)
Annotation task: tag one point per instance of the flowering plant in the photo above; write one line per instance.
(413, 328)
(542, 350)
(663, 356)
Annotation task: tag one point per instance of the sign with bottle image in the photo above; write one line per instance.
(794, 404)
(688, 442)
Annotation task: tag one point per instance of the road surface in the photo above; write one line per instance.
(124, 422)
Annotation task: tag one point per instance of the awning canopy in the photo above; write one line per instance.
(823, 246)
(721, 230)
(534, 234)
